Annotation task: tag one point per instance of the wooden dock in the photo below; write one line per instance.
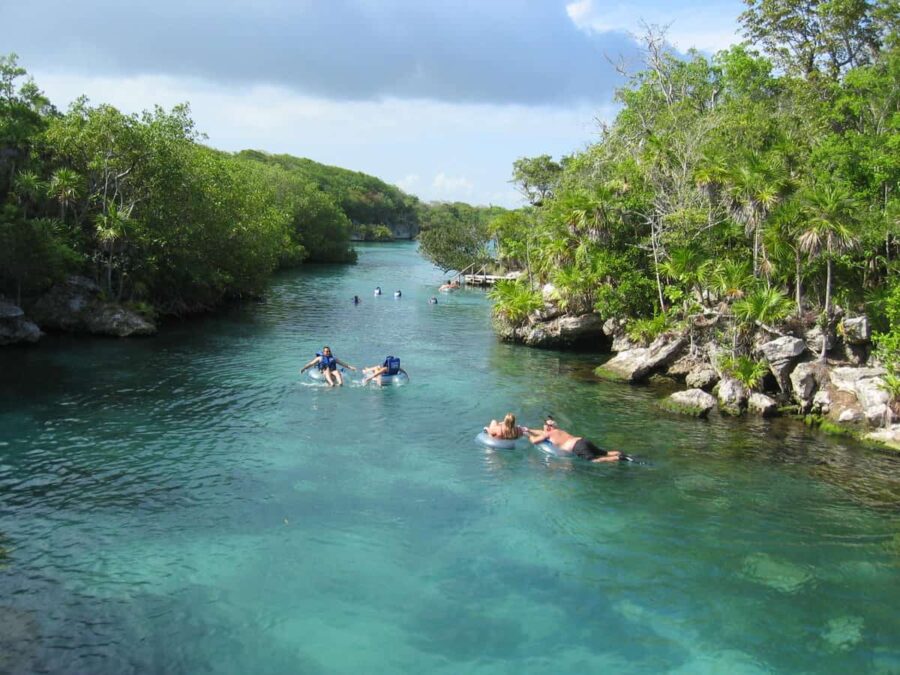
(488, 279)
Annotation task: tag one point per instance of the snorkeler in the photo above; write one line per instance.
(328, 364)
(378, 290)
(355, 299)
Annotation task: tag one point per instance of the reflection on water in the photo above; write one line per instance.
(186, 504)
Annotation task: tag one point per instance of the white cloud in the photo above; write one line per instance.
(468, 149)
(454, 187)
(708, 27)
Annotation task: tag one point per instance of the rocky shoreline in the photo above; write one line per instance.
(75, 305)
(843, 393)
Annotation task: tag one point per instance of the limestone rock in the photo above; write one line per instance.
(702, 377)
(850, 416)
(733, 396)
(563, 331)
(15, 327)
(806, 379)
(867, 385)
(633, 365)
(762, 404)
(694, 402)
(814, 337)
(821, 402)
(76, 306)
(781, 355)
(889, 436)
(681, 367)
(856, 330)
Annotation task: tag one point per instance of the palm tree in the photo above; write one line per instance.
(111, 227)
(754, 189)
(828, 233)
(788, 221)
(27, 187)
(65, 187)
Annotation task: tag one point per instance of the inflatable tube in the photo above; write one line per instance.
(317, 375)
(552, 449)
(391, 380)
(499, 443)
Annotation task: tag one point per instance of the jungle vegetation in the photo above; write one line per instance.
(760, 183)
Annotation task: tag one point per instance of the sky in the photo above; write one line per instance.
(438, 97)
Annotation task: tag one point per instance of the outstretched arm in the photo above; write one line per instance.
(535, 436)
(310, 364)
(345, 365)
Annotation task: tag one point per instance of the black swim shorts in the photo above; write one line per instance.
(584, 448)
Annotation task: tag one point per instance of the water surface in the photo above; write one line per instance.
(189, 503)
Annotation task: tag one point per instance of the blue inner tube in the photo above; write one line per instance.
(552, 449)
(386, 380)
(499, 443)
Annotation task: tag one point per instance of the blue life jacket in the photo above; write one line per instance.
(326, 362)
(392, 363)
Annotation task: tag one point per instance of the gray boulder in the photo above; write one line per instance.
(733, 396)
(762, 404)
(633, 365)
(862, 389)
(856, 330)
(821, 402)
(850, 416)
(76, 305)
(890, 436)
(15, 327)
(806, 379)
(563, 331)
(694, 402)
(781, 355)
(702, 377)
(814, 337)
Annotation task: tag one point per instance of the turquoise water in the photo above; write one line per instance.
(190, 504)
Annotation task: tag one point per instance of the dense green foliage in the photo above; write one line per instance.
(456, 235)
(753, 185)
(139, 204)
(367, 201)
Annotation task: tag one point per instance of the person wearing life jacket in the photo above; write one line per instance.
(378, 290)
(355, 299)
(326, 362)
(397, 294)
(390, 366)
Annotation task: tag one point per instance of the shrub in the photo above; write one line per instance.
(745, 370)
(766, 305)
(644, 331)
(514, 301)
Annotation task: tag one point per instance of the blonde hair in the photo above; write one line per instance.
(510, 430)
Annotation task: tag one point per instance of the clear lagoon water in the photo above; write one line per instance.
(190, 504)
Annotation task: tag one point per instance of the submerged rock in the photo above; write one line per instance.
(694, 402)
(778, 574)
(15, 327)
(76, 305)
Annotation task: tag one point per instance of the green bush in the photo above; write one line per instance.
(514, 301)
(745, 370)
(766, 305)
(645, 331)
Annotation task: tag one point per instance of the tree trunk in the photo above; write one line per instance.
(826, 329)
(797, 289)
(662, 302)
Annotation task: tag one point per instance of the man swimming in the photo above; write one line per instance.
(572, 445)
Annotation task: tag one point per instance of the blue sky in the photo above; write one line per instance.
(438, 97)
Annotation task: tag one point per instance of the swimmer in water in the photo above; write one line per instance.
(572, 445)
(507, 429)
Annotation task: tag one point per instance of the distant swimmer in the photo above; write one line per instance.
(355, 299)
(572, 445)
(432, 300)
(507, 429)
(326, 363)
(378, 290)
(449, 286)
(397, 294)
